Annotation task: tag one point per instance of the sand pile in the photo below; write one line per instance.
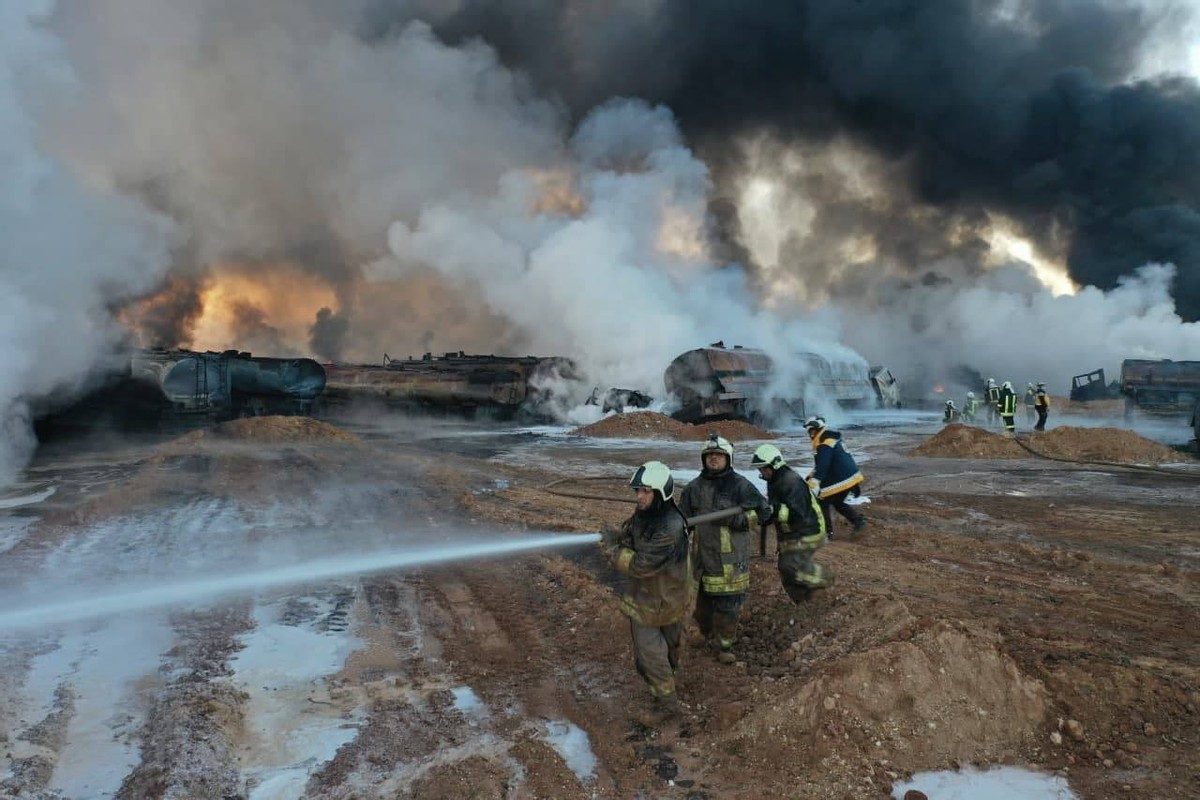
(1102, 444)
(652, 425)
(275, 429)
(966, 441)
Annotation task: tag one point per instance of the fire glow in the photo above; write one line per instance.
(249, 307)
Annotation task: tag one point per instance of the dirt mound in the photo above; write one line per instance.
(940, 694)
(274, 429)
(966, 441)
(652, 425)
(1102, 444)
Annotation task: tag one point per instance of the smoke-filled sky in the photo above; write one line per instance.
(616, 182)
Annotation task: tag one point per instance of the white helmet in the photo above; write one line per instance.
(814, 424)
(991, 382)
(717, 444)
(767, 455)
(655, 476)
(970, 395)
(1008, 385)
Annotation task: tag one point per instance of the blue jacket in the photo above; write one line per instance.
(835, 467)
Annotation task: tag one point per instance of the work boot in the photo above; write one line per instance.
(859, 524)
(659, 711)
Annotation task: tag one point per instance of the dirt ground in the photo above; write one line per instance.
(652, 425)
(995, 611)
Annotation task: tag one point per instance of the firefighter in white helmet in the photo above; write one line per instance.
(835, 475)
(1008, 408)
(722, 548)
(652, 549)
(799, 524)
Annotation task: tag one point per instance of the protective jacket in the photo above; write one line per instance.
(795, 510)
(1042, 399)
(835, 467)
(723, 548)
(1008, 403)
(653, 551)
(970, 407)
(993, 396)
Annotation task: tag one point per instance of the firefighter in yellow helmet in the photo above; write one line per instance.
(722, 548)
(651, 548)
(799, 524)
(1041, 404)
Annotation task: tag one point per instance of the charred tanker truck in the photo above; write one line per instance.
(718, 382)
(1162, 387)
(158, 388)
(501, 387)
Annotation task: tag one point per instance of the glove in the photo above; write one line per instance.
(609, 536)
(765, 517)
(740, 523)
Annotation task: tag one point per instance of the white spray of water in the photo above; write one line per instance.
(213, 588)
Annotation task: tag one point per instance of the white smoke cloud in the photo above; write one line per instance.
(602, 286)
(70, 249)
(1011, 327)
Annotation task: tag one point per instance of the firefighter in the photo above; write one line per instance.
(970, 410)
(1030, 403)
(835, 475)
(722, 548)
(951, 413)
(799, 524)
(1008, 408)
(1041, 404)
(991, 397)
(651, 547)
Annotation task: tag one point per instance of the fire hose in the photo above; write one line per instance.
(690, 522)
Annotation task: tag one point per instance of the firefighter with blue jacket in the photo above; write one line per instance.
(799, 524)
(652, 549)
(722, 549)
(835, 475)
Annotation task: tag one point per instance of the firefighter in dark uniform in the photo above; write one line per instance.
(1041, 403)
(1008, 407)
(652, 549)
(835, 475)
(722, 548)
(991, 398)
(950, 412)
(799, 524)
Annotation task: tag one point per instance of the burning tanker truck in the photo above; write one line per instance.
(718, 382)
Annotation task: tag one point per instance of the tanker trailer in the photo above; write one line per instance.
(502, 386)
(261, 385)
(1162, 386)
(719, 382)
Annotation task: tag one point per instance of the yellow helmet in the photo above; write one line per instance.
(767, 455)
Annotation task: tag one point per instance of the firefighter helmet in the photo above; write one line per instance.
(814, 424)
(970, 395)
(717, 444)
(1041, 385)
(767, 455)
(991, 382)
(655, 476)
(1008, 386)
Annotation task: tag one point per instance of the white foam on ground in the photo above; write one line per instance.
(572, 745)
(12, 531)
(101, 667)
(28, 499)
(280, 668)
(1002, 783)
(466, 701)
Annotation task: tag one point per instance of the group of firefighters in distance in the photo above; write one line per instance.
(695, 553)
(1000, 403)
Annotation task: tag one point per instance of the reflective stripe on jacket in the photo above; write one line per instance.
(835, 467)
(653, 551)
(797, 513)
(722, 552)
